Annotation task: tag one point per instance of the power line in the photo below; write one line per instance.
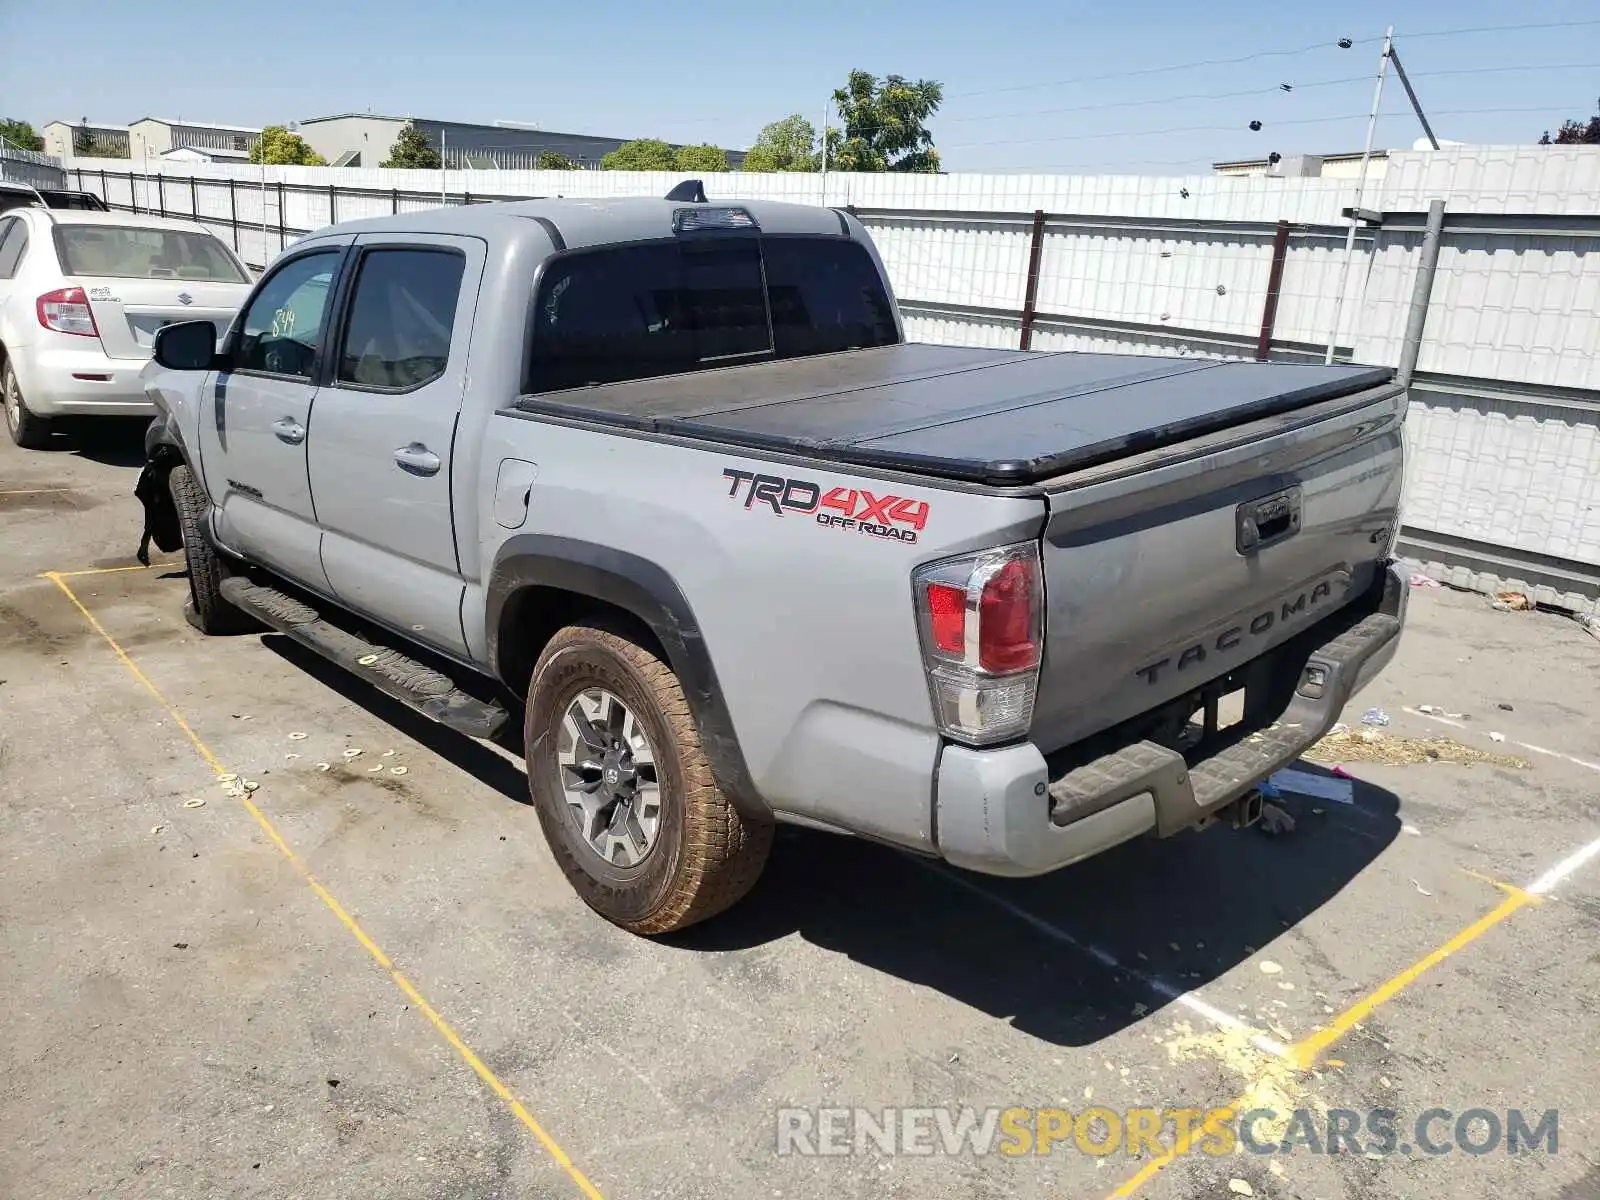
(1261, 91)
(1138, 133)
(1287, 52)
(1154, 100)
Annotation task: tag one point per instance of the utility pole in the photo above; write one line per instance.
(444, 179)
(1361, 190)
(825, 108)
(1411, 95)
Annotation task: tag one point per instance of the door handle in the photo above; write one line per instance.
(287, 429)
(417, 459)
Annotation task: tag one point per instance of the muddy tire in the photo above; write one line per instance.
(27, 429)
(623, 790)
(205, 609)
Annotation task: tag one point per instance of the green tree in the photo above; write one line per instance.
(412, 149)
(20, 134)
(786, 145)
(885, 124)
(554, 160)
(646, 154)
(277, 147)
(700, 158)
(1575, 133)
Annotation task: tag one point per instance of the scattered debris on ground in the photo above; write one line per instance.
(1511, 602)
(1394, 751)
(1318, 787)
(1374, 716)
(1275, 820)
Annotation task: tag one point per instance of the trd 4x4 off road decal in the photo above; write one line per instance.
(885, 516)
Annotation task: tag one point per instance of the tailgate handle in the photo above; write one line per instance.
(1266, 521)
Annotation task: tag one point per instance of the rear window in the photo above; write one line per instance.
(662, 308)
(125, 252)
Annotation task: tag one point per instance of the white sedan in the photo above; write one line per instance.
(81, 297)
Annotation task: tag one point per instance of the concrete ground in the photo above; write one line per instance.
(367, 983)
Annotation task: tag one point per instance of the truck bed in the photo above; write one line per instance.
(1001, 417)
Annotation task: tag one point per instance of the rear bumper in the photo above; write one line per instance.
(1010, 812)
(54, 384)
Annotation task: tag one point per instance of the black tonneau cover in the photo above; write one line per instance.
(1001, 417)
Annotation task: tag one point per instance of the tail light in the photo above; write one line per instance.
(66, 310)
(981, 620)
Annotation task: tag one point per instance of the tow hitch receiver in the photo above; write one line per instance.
(1246, 810)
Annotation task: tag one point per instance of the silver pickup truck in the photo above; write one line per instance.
(665, 477)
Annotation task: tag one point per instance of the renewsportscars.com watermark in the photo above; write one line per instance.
(1135, 1132)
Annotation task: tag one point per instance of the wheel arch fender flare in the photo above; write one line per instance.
(646, 591)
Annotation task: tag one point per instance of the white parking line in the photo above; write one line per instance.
(1175, 995)
(1542, 885)
(1581, 762)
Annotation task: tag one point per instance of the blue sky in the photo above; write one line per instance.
(1029, 84)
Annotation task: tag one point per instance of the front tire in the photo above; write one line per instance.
(624, 792)
(27, 429)
(205, 609)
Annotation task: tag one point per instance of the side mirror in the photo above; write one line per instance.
(186, 346)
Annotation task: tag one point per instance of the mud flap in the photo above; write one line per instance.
(160, 513)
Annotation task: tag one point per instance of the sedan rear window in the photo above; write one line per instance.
(124, 252)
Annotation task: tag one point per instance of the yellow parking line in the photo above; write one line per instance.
(1307, 1049)
(111, 570)
(371, 947)
(1304, 1053)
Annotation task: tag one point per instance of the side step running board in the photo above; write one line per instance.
(424, 689)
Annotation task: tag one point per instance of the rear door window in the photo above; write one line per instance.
(131, 252)
(397, 335)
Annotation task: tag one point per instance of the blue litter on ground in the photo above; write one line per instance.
(1319, 787)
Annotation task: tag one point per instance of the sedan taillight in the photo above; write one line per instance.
(66, 310)
(981, 620)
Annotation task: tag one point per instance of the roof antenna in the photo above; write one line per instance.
(691, 191)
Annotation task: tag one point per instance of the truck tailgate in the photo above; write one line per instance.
(1168, 570)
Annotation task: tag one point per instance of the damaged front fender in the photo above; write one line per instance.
(161, 526)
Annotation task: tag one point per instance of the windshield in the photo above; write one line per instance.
(131, 253)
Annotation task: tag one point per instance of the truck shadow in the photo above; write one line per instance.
(475, 758)
(1060, 955)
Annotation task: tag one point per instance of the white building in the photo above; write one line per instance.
(151, 137)
(1324, 166)
(197, 154)
(85, 139)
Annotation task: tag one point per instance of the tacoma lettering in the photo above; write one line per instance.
(1230, 638)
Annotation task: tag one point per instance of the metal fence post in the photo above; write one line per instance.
(1030, 294)
(283, 223)
(1421, 291)
(394, 199)
(233, 213)
(1269, 310)
(194, 198)
(333, 205)
(161, 192)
